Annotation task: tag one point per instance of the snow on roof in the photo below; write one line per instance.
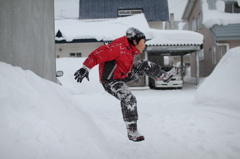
(100, 29)
(175, 37)
(218, 16)
(110, 29)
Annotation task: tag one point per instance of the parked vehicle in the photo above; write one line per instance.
(176, 81)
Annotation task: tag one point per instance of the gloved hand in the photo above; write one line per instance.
(81, 73)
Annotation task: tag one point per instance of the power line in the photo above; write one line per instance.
(177, 4)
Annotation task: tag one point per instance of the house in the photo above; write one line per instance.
(219, 22)
(26, 36)
(155, 11)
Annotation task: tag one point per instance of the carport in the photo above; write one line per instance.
(175, 43)
(176, 50)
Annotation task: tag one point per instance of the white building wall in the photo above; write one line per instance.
(64, 50)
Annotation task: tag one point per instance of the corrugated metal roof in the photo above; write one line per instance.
(154, 10)
(173, 50)
(186, 44)
(227, 32)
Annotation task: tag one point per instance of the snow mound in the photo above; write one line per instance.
(40, 119)
(222, 86)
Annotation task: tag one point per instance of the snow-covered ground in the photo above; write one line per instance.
(40, 119)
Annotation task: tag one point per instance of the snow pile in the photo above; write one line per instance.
(40, 119)
(222, 86)
(219, 17)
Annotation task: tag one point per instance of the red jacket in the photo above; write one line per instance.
(120, 52)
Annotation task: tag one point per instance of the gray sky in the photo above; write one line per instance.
(177, 7)
(66, 8)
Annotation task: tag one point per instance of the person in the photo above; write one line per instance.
(117, 67)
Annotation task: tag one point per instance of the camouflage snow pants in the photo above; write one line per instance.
(120, 90)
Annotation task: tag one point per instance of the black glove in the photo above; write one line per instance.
(80, 74)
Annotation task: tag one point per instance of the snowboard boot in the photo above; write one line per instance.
(167, 76)
(133, 133)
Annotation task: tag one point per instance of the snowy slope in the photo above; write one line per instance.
(40, 119)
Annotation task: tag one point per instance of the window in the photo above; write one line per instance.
(75, 54)
(214, 55)
(232, 7)
(222, 50)
(128, 12)
(201, 55)
(185, 27)
(194, 25)
(199, 22)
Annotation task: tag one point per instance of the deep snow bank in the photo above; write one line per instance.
(39, 119)
(222, 86)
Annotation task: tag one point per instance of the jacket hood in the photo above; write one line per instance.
(123, 40)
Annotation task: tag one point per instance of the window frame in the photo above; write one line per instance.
(214, 55)
(194, 25)
(75, 54)
(232, 7)
(129, 12)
